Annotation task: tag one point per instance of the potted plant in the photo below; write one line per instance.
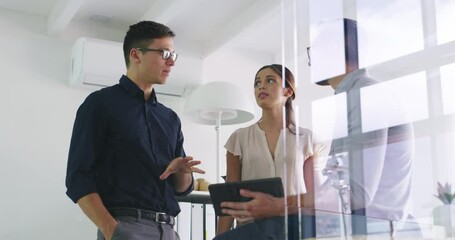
(444, 215)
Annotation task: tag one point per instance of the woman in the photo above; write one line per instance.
(272, 147)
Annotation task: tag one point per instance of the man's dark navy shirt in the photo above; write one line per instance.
(120, 146)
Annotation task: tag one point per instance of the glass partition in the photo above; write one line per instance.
(388, 129)
(382, 131)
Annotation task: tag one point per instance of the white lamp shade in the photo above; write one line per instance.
(209, 100)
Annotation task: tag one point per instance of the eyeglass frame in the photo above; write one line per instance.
(165, 54)
(308, 53)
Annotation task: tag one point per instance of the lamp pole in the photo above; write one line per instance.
(228, 105)
(218, 140)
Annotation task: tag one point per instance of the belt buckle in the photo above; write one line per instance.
(157, 217)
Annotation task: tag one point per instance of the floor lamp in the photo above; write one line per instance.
(219, 103)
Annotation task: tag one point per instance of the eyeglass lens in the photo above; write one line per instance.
(167, 54)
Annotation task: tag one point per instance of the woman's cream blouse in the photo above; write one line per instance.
(291, 151)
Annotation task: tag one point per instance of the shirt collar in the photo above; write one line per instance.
(133, 90)
(350, 79)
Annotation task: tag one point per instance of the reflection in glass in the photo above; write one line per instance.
(329, 117)
(422, 187)
(388, 29)
(326, 39)
(448, 88)
(444, 20)
(377, 228)
(394, 102)
(388, 174)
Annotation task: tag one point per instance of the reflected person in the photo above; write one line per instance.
(379, 161)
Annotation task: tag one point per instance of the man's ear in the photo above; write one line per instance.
(134, 55)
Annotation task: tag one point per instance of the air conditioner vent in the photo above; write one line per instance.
(99, 63)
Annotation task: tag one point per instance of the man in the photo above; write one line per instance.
(379, 162)
(126, 160)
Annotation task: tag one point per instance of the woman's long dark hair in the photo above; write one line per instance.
(288, 79)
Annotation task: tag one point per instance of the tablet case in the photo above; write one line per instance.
(230, 191)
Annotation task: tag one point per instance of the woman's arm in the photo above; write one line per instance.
(308, 174)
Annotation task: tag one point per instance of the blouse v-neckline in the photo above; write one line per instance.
(271, 158)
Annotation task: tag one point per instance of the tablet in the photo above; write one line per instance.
(230, 191)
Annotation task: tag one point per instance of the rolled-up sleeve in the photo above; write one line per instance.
(86, 144)
(180, 152)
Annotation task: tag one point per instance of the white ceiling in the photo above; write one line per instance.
(201, 26)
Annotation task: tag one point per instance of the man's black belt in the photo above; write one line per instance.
(158, 217)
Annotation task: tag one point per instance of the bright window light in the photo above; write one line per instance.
(326, 39)
(388, 29)
(448, 88)
(394, 102)
(445, 20)
(329, 117)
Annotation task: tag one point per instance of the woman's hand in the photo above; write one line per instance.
(261, 206)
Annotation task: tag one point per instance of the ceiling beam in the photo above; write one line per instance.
(256, 13)
(61, 14)
(165, 11)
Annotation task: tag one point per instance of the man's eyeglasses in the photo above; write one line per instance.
(165, 53)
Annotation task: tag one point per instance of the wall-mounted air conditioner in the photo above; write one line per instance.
(99, 63)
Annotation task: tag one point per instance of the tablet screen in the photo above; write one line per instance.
(230, 191)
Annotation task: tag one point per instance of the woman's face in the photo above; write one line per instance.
(268, 89)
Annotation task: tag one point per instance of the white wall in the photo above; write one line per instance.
(238, 67)
(38, 111)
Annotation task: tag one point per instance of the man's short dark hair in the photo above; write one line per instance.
(351, 47)
(141, 34)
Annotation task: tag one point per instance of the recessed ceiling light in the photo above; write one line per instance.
(100, 18)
